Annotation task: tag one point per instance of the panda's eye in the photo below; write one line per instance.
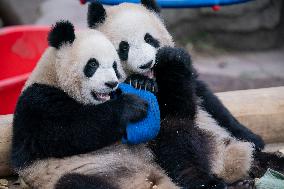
(124, 46)
(123, 50)
(116, 70)
(151, 40)
(91, 67)
(93, 64)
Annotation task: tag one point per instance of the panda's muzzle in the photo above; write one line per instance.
(111, 84)
(147, 65)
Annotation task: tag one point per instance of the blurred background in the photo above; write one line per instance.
(237, 47)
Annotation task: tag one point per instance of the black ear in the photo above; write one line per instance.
(62, 32)
(151, 5)
(96, 14)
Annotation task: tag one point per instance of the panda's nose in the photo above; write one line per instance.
(147, 65)
(111, 84)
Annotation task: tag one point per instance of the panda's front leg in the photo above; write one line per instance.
(175, 78)
(174, 84)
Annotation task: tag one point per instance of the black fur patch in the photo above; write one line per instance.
(123, 50)
(96, 14)
(76, 181)
(151, 5)
(62, 32)
(116, 70)
(151, 40)
(175, 79)
(225, 119)
(264, 160)
(183, 151)
(91, 67)
(49, 123)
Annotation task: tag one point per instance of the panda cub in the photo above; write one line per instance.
(200, 145)
(66, 127)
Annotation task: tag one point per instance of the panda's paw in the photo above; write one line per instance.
(172, 61)
(243, 184)
(133, 108)
(142, 82)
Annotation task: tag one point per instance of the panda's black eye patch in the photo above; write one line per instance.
(116, 70)
(151, 40)
(91, 67)
(123, 50)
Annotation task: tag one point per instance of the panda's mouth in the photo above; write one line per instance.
(149, 74)
(102, 97)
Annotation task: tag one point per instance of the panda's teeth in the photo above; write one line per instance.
(149, 74)
(103, 96)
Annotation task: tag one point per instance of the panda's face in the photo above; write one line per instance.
(137, 34)
(139, 55)
(89, 69)
(100, 80)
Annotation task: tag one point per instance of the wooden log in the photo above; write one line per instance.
(261, 110)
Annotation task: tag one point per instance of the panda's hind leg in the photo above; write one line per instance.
(237, 162)
(80, 181)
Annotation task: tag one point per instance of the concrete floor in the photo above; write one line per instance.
(246, 70)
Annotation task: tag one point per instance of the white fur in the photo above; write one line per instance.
(63, 68)
(128, 167)
(231, 159)
(44, 72)
(141, 54)
(130, 22)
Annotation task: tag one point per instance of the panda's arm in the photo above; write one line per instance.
(176, 84)
(221, 114)
(49, 123)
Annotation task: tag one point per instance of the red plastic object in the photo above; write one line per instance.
(216, 8)
(20, 49)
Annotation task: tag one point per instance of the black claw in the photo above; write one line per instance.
(142, 82)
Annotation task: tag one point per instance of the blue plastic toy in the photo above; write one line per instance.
(148, 128)
(176, 3)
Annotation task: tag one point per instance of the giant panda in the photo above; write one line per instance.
(66, 127)
(201, 145)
